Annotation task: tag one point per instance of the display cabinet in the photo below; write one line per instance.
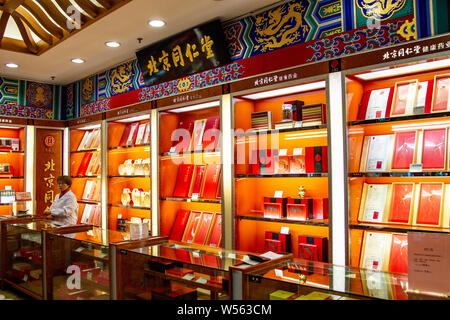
(85, 254)
(12, 157)
(22, 254)
(281, 170)
(190, 172)
(129, 194)
(169, 270)
(85, 171)
(312, 280)
(398, 122)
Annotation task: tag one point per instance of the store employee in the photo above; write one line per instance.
(64, 208)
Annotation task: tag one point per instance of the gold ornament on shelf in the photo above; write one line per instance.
(301, 192)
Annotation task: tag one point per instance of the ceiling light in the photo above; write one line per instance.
(112, 44)
(11, 65)
(289, 90)
(157, 23)
(77, 60)
(426, 66)
(197, 107)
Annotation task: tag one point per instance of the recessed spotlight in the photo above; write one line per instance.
(112, 44)
(157, 23)
(77, 60)
(11, 65)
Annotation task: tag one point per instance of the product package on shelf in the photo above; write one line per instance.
(375, 251)
(441, 96)
(297, 163)
(197, 181)
(307, 208)
(212, 178)
(10, 144)
(283, 164)
(313, 248)
(291, 115)
(181, 137)
(211, 136)
(141, 137)
(192, 226)
(270, 242)
(405, 147)
(266, 161)
(378, 102)
(203, 228)
(375, 203)
(314, 114)
(197, 134)
(274, 207)
(184, 180)
(261, 120)
(402, 199)
(316, 159)
(405, 95)
(126, 197)
(91, 190)
(129, 135)
(376, 153)
(430, 206)
(179, 225)
(215, 235)
(434, 149)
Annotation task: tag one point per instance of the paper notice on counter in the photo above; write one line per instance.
(271, 255)
(428, 262)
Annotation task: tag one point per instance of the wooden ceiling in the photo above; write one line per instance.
(46, 19)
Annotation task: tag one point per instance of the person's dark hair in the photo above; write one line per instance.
(64, 179)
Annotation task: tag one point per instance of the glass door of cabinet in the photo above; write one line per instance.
(398, 160)
(190, 174)
(12, 157)
(281, 171)
(129, 166)
(85, 171)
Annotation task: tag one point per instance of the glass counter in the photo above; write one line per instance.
(171, 270)
(78, 264)
(22, 255)
(307, 280)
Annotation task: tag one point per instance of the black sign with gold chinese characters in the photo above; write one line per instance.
(192, 51)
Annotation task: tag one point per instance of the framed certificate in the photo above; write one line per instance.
(378, 101)
(402, 198)
(434, 149)
(421, 100)
(404, 152)
(375, 251)
(398, 261)
(441, 96)
(430, 204)
(375, 203)
(405, 95)
(376, 152)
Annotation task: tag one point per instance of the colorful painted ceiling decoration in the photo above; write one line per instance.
(22, 98)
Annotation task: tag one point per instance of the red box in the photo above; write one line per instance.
(181, 137)
(179, 225)
(84, 164)
(398, 261)
(184, 179)
(401, 202)
(297, 164)
(285, 240)
(299, 209)
(429, 211)
(275, 207)
(272, 245)
(203, 228)
(320, 209)
(212, 178)
(308, 252)
(316, 159)
(191, 227)
(434, 149)
(404, 149)
(211, 136)
(197, 180)
(321, 244)
(215, 237)
(283, 165)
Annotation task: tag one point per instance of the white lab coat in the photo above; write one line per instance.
(65, 209)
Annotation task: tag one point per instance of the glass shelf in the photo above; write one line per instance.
(275, 131)
(401, 118)
(190, 200)
(321, 223)
(293, 175)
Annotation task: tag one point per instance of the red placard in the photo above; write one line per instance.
(398, 261)
(297, 211)
(199, 174)
(215, 237)
(321, 244)
(401, 98)
(308, 251)
(316, 159)
(297, 164)
(179, 225)
(191, 227)
(184, 179)
(203, 228)
(283, 165)
(272, 245)
(441, 95)
(285, 240)
(404, 149)
(197, 134)
(211, 136)
(430, 204)
(181, 137)
(434, 149)
(84, 164)
(401, 202)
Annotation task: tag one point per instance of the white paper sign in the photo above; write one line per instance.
(415, 167)
(79, 249)
(189, 276)
(195, 196)
(202, 280)
(279, 273)
(298, 151)
(283, 152)
(278, 194)
(284, 230)
(428, 262)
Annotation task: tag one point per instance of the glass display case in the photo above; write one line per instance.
(312, 280)
(398, 122)
(190, 170)
(129, 195)
(85, 171)
(22, 257)
(281, 170)
(168, 270)
(84, 254)
(12, 157)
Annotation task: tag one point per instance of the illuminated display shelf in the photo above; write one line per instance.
(321, 223)
(276, 131)
(12, 177)
(400, 174)
(130, 147)
(89, 201)
(191, 200)
(401, 118)
(189, 152)
(287, 175)
(397, 228)
(87, 150)
(129, 207)
(130, 176)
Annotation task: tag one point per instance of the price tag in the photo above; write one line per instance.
(298, 151)
(283, 152)
(279, 273)
(284, 230)
(194, 196)
(195, 255)
(188, 276)
(415, 167)
(119, 216)
(202, 280)
(90, 233)
(297, 124)
(278, 194)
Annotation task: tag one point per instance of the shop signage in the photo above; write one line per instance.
(128, 110)
(12, 121)
(23, 196)
(188, 52)
(86, 120)
(48, 166)
(191, 96)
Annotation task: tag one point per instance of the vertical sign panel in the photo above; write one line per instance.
(48, 164)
